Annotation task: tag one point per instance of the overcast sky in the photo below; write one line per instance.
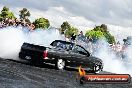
(81, 13)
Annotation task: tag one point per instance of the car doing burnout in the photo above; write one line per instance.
(61, 53)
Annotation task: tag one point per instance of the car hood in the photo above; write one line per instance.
(95, 59)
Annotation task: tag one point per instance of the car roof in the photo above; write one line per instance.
(62, 41)
(66, 42)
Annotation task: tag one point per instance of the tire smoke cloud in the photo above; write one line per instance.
(112, 62)
(12, 38)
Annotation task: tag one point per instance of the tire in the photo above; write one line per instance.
(60, 64)
(96, 67)
(36, 62)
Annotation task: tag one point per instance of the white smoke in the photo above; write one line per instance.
(44, 37)
(112, 62)
(12, 38)
(119, 32)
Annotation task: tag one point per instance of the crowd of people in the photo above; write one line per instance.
(93, 45)
(15, 23)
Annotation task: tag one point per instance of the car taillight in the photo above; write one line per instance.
(45, 54)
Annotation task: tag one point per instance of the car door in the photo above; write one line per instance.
(79, 56)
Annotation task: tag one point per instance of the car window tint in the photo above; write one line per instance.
(80, 50)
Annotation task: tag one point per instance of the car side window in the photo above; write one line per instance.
(80, 50)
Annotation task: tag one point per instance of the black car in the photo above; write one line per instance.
(62, 54)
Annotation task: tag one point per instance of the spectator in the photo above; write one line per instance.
(81, 33)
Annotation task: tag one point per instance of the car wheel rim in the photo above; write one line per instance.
(60, 64)
(96, 68)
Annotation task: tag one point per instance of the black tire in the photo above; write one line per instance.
(60, 64)
(36, 62)
(96, 69)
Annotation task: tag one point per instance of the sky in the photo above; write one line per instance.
(84, 14)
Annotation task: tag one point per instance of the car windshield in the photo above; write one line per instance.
(63, 45)
(80, 50)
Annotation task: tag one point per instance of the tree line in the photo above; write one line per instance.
(99, 32)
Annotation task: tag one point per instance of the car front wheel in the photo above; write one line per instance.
(97, 69)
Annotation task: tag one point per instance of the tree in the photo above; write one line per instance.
(104, 28)
(100, 32)
(95, 34)
(5, 13)
(65, 25)
(41, 23)
(70, 31)
(110, 39)
(24, 15)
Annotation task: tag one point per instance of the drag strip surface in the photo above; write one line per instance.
(20, 75)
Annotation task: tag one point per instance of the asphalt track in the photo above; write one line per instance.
(15, 74)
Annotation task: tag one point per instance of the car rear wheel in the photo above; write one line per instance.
(60, 64)
(36, 62)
